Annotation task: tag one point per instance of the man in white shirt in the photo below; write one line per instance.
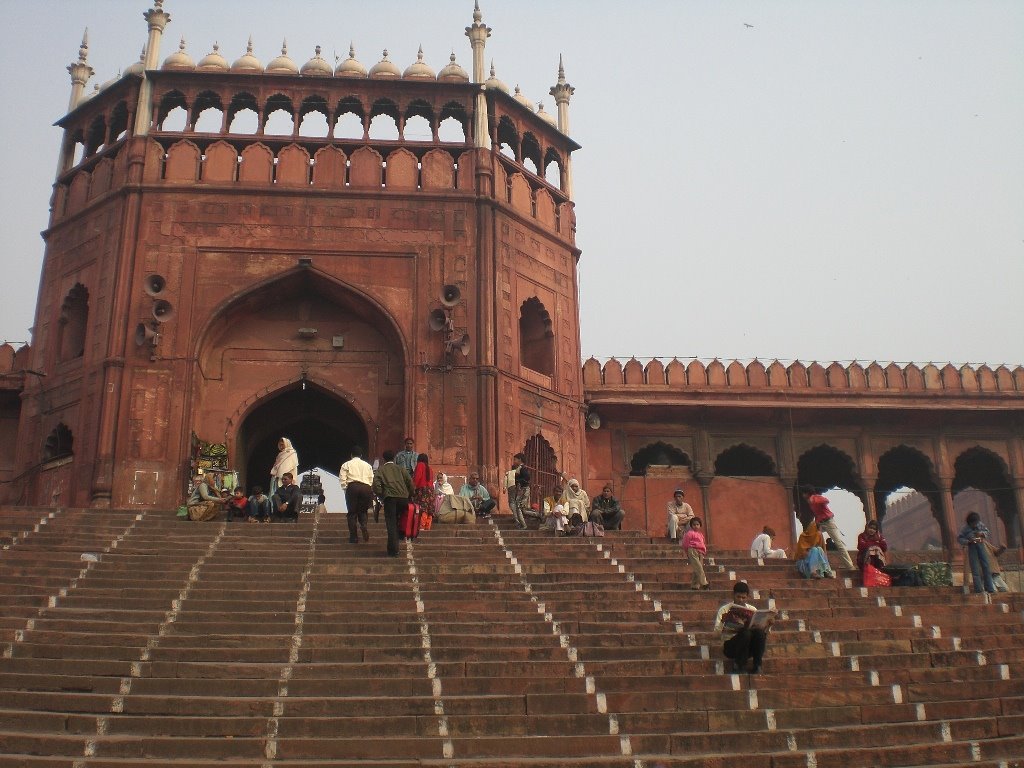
(761, 546)
(741, 640)
(357, 480)
(679, 515)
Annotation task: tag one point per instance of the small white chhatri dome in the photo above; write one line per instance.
(518, 95)
(317, 66)
(179, 59)
(419, 70)
(138, 67)
(385, 69)
(453, 73)
(213, 61)
(93, 92)
(549, 118)
(283, 64)
(350, 67)
(248, 63)
(493, 83)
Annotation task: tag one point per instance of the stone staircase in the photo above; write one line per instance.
(213, 644)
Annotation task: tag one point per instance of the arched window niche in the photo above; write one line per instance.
(536, 337)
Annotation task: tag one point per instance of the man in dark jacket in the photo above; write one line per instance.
(393, 485)
(287, 499)
(607, 510)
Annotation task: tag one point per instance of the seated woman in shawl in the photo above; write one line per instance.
(442, 488)
(576, 502)
(287, 462)
(810, 556)
(205, 501)
(871, 547)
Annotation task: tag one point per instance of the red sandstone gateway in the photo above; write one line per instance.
(219, 273)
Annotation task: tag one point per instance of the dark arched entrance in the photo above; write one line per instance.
(322, 427)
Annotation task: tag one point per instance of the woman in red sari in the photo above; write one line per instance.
(423, 484)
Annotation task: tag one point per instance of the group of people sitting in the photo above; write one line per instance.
(567, 511)
(207, 501)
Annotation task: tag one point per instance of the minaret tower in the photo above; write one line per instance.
(157, 18)
(562, 92)
(478, 32)
(80, 72)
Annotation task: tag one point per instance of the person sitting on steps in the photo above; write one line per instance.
(259, 506)
(478, 495)
(607, 510)
(287, 500)
(761, 546)
(679, 515)
(576, 503)
(742, 640)
(555, 518)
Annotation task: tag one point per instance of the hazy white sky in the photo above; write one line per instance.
(774, 178)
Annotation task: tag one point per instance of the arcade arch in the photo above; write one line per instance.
(903, 468)
(322, 427)
(657, 454)
(744, 460)
(827, 468)
(986, 472)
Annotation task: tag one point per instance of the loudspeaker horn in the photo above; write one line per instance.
(460, 344)
(155, 285)
(450, 295)
(144, 334)
(438, 320)
(163, 310)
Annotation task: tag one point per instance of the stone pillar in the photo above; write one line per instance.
(157, 19)
(704, 481)
(1016, 538)
(950, 526)
(103, 479)
(485, 340)
(867, 497)
(788, 480)
(478, 32)
(562, 92)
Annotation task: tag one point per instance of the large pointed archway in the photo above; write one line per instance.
(322, 427)
(302, 356)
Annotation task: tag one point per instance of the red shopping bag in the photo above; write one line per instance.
(875, 578)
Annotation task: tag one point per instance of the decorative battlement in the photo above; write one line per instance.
(14, 361)
(675, 375)
(13, 366)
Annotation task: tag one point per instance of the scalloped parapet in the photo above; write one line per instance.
(853, 377)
